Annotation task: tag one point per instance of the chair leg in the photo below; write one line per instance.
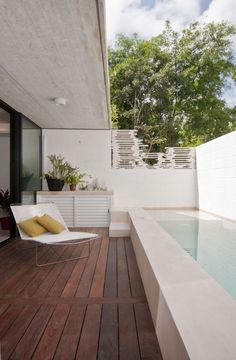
(60, 261)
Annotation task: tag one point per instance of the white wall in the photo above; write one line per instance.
(4, 161)
(216, 170)
(91, 151)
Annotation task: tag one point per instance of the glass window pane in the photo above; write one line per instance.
(31, 160)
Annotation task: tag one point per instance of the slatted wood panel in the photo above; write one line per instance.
(85, 309)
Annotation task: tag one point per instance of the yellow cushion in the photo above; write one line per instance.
(50, 224)
(31, 227)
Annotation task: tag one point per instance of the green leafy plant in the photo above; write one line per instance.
(5, 201)
(75, 177)
(60, 167)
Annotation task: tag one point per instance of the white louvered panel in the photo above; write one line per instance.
(65, 204)
(92, 211)
(81, 210)
(128, 152)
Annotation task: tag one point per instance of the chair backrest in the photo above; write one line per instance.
(24, 212)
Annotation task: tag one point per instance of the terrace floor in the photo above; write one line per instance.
(85, 309)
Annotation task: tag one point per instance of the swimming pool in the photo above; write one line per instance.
(210, 240)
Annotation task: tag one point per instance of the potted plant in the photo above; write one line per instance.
(5, 201)
(60, 169)
(74, 178)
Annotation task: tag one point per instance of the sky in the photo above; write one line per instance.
(147, 18)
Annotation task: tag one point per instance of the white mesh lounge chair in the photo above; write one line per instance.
(66, 237)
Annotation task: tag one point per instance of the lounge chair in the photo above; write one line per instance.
(66, 237)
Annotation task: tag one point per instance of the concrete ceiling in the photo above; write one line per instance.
(50, 49)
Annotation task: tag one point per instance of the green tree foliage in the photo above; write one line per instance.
(170, 87)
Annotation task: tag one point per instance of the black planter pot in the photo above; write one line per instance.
(55, 184)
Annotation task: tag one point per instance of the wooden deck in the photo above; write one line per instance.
(85, 309)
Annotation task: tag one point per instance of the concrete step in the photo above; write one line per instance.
(119, 215)
(119, 229)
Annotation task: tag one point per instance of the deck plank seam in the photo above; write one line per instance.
(81, 331)
(24, 331)
(95, 267)
(62, 331)
(45, 326)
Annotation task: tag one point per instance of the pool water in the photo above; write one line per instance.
(210, 240)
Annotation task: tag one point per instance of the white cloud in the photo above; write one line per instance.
(221, 10)
(127, 16)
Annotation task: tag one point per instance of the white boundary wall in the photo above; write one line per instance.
(216, 172)
(91, 151)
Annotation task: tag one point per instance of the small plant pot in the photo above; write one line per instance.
(72, 187)
(55, 184)
(5, 223)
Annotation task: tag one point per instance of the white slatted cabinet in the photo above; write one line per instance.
(92, 211)
(81, 208)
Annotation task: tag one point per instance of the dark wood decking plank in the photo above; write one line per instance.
(110, 287)
(73, 300)
(149, 347)
(128, 345)
(48, 343)
(36, 282)
(6, 251)
(73, 281)
(67, 347)
(134, 275)
(90, 326)
(52, 276)
(17, 329)
(3, 308)
(87, 276)
(68, 268)
(60, 283)
(40, 274)
(122, 270)
(88, 344)
(11, 285)
(28, 343)
(10, 263)
(8, 317)
(108, 343)
(100, 271)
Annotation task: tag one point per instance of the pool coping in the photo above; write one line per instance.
(194, 317)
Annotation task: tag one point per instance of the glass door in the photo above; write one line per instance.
(31, 161)
(4, 175)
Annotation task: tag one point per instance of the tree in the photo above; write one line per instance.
(170, 87)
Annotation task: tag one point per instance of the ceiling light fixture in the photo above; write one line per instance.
(60, 101)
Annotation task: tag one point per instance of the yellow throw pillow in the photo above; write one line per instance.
(31, 227)
(50, 224)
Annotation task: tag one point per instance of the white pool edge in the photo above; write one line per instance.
(194, 317)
